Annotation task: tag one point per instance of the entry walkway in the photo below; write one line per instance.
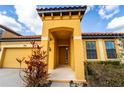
(62, 73)
(60, 84)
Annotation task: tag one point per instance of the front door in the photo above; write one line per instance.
(63, 55)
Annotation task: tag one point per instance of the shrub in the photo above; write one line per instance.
(105, 75)
(113, 62)
(36, 73)
(105, 62)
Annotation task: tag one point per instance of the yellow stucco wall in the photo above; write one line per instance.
(65, 24)
(101, 49)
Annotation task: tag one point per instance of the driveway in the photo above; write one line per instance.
(10, 78)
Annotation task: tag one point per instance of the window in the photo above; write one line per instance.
(110, 49)
(91, 50)
(66, 55)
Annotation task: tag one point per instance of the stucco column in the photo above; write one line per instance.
(45, 45)
(72, 55)
(51, 60)
(78, 58)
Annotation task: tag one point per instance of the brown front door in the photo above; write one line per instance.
(63, 55)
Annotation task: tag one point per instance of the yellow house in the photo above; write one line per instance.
(65, 43)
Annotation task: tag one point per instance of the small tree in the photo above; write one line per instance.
(36, 73)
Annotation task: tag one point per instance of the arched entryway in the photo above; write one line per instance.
(61, 53)
(61, 45)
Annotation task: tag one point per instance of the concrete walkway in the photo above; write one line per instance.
(57, 84)
(62, 73)
(10, 77)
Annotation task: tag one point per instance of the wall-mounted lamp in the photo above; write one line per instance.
(49, 49)
(25, 45)
(72, 37)
(50, 39)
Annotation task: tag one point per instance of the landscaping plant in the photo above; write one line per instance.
(35, 74)
(104, 74)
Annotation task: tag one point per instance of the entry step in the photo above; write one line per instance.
(68, 84)
(59, 84)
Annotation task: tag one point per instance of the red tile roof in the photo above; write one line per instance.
(61, 8)
(83, 34)
(35, 36)
(23, 37)
(100, 33)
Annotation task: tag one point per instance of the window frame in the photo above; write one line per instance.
(91, 50)
(115, 48)
(97, 50)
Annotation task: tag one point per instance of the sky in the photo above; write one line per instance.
(25, 20)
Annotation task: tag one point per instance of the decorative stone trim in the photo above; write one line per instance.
(44, 38)
(77, 37)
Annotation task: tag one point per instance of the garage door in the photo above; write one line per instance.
(10, 55)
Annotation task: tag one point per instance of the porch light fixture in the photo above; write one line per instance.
(49, 49)
(50, 39)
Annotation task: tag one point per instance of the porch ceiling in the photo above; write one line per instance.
(60, 35)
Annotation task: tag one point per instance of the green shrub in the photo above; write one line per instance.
(105, 62)
(113, 62)
(104, 75)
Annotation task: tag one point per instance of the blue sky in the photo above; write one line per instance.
(101, 18)
(25, 20)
